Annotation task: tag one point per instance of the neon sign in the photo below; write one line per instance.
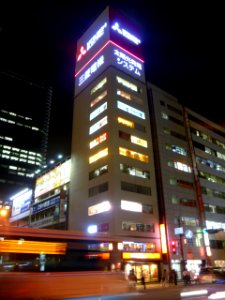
(92, 41)
(93, 68)
(127, 62)
(125, 33)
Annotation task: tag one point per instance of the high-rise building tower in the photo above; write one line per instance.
(112, 187)
(24, 121)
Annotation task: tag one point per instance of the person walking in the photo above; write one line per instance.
(143, 280)
(164, 279)
(175, 276)
(132, 279)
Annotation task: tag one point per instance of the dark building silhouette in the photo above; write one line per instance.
(25, 109)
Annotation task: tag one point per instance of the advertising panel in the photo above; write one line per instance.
(109, 54)
(53, 179)
(109, 26)
(22, 203)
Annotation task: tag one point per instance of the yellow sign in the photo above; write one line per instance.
(137, 255)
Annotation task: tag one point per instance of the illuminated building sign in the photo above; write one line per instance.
(138, 255)
(92, 41)
(92, 69)
(98, 125)
(109, 54)
(45, 204)
(98, 140)
(128, 62)
(53, 179)
(116, 27)
(22, 202)
(131, 110)
(163, 238)
(98, 111)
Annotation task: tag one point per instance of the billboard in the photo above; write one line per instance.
(21, 203)
(111, 54)
(109, 26)
(58, 176)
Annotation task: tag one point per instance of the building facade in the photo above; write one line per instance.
(24, 123)
(112, 188)
(189, 160)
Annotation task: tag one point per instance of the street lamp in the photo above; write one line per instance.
(4, 213)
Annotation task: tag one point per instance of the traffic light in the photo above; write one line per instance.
(174, 246)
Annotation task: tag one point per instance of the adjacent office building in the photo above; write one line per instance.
(189, 159)
(24, 123)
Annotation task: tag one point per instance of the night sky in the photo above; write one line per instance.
(183, 49)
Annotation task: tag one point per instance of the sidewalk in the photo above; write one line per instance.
(148, 286)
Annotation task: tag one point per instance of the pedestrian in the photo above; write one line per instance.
(186, 277)
(175, 276)
(143, 280)
(132, 279)
(164, 278)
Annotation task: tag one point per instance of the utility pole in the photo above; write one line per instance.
(181, 246)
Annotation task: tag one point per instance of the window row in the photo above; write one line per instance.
(125, 186)
(127, 205)
(130, 170)
(139, 227)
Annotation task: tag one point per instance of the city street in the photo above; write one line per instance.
(157, 293)
(195, 292)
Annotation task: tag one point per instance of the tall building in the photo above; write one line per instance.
(24, 122)
(189, 155)
(112, 189)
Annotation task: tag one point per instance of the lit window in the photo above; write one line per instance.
(138, 141)
(98, 125)
(133, 154)
(131, 206)
(99, 98)
(99, 208)
(131, 110)
(99, 85)
(98, 155)
(98, 111)
(125, 122)
(101, 138)
(127, 84)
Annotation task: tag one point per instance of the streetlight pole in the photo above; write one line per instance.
(181, 246)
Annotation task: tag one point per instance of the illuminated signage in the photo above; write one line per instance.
(98, 140)
(53, 179)
(98, 125)
(163, 238)
(110, 54)
(128, 62)
(45, 204)
(116, 27)
(99, 208)
(92, 69)
(137, 255)
(98, 111)
(131, 110)
(92, 41)
(22, 202)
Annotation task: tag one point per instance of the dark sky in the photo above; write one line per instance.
(183, 49)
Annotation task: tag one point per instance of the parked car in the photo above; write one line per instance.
(211, 275)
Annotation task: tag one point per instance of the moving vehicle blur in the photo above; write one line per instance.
(211, 275)
(203, 292)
